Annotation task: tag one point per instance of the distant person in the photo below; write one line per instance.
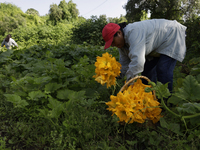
(8, 42)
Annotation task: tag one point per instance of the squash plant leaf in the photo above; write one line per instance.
(174, 127)
(190, 89)
(187, 108)
(195, 121)
(132, 143)
(44, 112)
(162, 90)
(35, 95)
(52, 87)
(16, 100)
(64, 94)
(194, 61)
(197, 105)
(198, 78)
(195, 70)
(175, 100)
(56, 106)
(77, 95)
(163, 123)
(42, 80)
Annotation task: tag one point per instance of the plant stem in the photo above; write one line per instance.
(191, 116)
(183, 117)
(163, 104)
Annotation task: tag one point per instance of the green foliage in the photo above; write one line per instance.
(55, 14)
(89, 31)
(53, 83)
(44, 34)
(117, 20)
(171, 9)
(73, 10)
(192, 38)
(189, 90)
(49, 100)
(12, 18)
(32, 11)
(63, 11)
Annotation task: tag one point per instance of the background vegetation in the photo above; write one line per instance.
(49, 100)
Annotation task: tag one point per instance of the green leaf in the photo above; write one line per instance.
(56, 106)
(197, 105)
(77, 95)
(163, 123)
(16, 100)
(42, 80)
(195, 70)
(162, 90)
(175, 100)
(64, 94)
(44, 112)
(51, 87)
(35, 95)
(195, 121)
(190, 89)
(132, 143)
(174, 127)
(188, 108)
(194, 61)
(198, 78)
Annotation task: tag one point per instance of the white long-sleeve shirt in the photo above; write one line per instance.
(146, 39)
(8, 44)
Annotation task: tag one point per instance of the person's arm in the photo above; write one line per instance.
(124, 61)
(3, 43)
(13, 42)
(137, 41)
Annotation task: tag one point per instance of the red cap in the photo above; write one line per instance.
(108, 33)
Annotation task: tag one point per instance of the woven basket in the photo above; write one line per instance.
(133, 79)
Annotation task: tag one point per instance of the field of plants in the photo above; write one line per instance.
(50, 100)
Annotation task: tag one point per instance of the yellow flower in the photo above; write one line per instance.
(107, 69)
(135, 105)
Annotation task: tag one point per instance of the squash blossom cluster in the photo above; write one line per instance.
(107, 69)
(135, 105)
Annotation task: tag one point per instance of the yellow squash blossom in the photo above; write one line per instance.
(135, 105)
(107, 69)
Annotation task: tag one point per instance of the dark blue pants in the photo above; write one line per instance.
(160, 69)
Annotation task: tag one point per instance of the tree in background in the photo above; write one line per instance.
(73, 10)
(64, 11)
(55, 14)
(191, 9)
(90, 31)
(11, 18)
(32, 11)
(170, 9)
(117, 20)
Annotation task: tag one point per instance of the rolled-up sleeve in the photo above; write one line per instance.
(136, 40)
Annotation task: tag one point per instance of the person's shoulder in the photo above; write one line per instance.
(12, 39)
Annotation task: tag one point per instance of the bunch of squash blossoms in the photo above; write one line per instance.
(107, 69)
(132, 104)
